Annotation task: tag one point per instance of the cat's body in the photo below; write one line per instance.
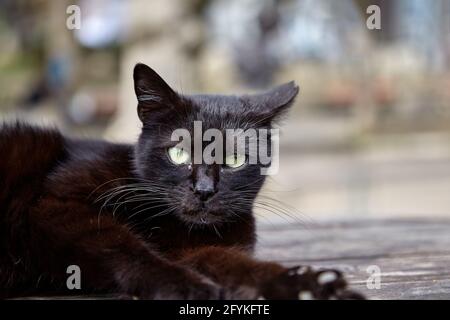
(41, 170)
(134, 222)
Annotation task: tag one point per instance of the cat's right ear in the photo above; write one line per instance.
(152, 92)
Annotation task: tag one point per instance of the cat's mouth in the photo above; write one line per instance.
(192, 211)
(200, 218)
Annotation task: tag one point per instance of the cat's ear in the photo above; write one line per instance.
(152, 92)
(273, 103)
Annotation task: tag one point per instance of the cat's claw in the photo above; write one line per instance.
(304, 283)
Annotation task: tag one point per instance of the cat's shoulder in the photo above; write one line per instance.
(16, 132)
(29, 147)
(23, 135)
(22, 143)
(92, 162)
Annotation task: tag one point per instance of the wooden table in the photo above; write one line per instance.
(412, 255)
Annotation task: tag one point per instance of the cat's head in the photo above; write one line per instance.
(194, 190)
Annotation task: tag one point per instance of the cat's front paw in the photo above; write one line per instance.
(189, 286)
(304, 283)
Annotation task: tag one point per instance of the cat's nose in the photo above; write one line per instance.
(204, 184)
(204, 192)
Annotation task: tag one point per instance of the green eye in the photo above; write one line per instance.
(178, 155)
(235, 161)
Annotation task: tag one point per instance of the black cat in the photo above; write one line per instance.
(143, 220)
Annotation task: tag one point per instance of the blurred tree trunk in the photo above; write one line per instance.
(62, 52)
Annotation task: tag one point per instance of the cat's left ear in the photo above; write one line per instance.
(275, 102)
(152, 92)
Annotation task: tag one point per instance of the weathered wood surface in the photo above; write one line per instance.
(413, 255)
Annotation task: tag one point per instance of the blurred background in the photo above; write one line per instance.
(369, 135)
